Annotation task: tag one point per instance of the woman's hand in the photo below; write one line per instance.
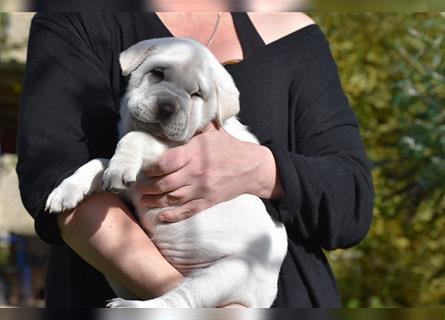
(211, 168)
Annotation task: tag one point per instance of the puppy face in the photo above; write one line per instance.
(176, 88)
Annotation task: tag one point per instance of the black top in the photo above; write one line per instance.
(291, 99)
(247, 34)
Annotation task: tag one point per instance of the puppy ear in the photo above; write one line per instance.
(227, 96)
(133, 57)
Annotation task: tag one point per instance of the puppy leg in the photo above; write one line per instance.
(134, 151)
(82, 183)
(227, 281)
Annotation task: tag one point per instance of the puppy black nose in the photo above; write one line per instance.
(166, 110)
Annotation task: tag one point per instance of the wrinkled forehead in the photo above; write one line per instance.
(182, 63)
(181, 55)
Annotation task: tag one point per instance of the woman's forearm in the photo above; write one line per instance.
(103, 232)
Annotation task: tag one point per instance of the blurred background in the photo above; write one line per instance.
(393, 70)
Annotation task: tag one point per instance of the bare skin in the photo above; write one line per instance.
(102, 230)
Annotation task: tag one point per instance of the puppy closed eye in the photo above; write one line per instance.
(157, 74)
(197, 94)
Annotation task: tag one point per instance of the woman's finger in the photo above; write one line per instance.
(175, 198)
(162, 184)
(185, 211)
(170, 161)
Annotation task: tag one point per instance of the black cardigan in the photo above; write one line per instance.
(291, 99)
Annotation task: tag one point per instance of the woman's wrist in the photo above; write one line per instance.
(266, 182)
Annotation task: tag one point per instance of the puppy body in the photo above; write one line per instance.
(230, 253)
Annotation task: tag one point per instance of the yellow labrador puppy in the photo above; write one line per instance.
(229, 253)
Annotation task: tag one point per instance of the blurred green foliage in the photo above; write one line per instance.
(393, 70)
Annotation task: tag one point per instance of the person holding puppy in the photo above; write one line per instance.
(310, 169)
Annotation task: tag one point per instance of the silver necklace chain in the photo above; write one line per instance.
(209, 43)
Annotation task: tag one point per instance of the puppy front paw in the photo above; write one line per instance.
(121, 303)
(66, 196)
(119, 176)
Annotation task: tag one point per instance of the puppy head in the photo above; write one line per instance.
(176, 88)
